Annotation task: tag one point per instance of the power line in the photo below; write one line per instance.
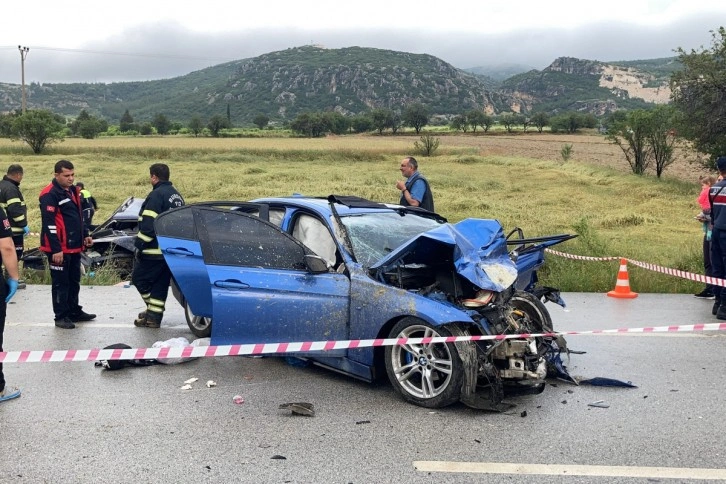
(130, 54)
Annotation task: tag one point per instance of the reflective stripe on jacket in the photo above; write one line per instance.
(12, 201)
(163, 197)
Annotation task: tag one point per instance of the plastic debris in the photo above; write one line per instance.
(299, 408)
(607, 382)
(186, 387)
(599, 404)
(191, 380)
(278, 457)
(238, 399)
(179, 342)
(211, 383)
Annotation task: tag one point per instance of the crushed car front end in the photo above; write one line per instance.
(466, 268)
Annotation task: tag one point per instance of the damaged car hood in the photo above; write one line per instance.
(479, 252)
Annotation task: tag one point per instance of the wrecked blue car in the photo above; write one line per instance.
(309, 269)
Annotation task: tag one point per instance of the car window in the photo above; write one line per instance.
(315, 236)
(239, 239)
(375, 235)
(178, 224)
(276, 215)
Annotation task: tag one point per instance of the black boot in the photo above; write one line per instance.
(148, 319)
(716, 305)
(721, 313)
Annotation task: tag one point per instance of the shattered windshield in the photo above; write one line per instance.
(374, 235)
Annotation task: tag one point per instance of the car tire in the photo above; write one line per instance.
(200, 326)
(535, 310)
(427, 375)
(540, 321)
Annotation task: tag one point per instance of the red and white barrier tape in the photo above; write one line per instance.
(714, 281)
(282, 348)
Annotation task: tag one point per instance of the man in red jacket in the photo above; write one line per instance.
(63, 236)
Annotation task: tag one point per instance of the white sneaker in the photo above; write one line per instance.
(9, 393)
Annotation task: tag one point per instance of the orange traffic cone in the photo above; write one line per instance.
(622, 285)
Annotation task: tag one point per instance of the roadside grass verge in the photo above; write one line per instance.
(614, 214)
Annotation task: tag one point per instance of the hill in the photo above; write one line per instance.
(353, 80)
(570, 84)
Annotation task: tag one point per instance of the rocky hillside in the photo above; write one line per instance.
(582, 85)
(353, 80)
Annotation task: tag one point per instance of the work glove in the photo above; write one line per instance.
(12, 289)
(26, 231)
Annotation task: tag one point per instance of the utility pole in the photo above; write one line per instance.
(23, 55)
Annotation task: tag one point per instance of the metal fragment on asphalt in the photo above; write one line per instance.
(299, 408)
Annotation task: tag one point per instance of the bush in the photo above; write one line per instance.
(427, 146)
(566, 152)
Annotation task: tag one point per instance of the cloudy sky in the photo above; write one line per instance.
(91, 41)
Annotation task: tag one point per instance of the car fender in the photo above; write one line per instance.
(374, 301)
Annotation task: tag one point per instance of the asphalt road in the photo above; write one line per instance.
(77, 423)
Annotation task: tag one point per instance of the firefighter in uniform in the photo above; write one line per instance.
(13, 203)
(88, 204)
(151, 275)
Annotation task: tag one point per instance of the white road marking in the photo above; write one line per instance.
(570, 470)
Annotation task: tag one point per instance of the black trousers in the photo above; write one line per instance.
(65, 285)
(19, 241)
(3, 312)
(708, 271)
(718, 259)
(151, 277)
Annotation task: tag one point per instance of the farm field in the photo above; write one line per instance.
(520, 180)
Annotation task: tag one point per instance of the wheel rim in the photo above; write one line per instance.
(422, 370)
(537, 319)
(199, 323)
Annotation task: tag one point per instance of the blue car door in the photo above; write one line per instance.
(260, 287)
(179, 242)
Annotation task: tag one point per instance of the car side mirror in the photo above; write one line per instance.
(315, 264)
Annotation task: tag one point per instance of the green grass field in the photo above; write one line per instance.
(614, 213)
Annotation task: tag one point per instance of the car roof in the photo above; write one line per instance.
(344, 205)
